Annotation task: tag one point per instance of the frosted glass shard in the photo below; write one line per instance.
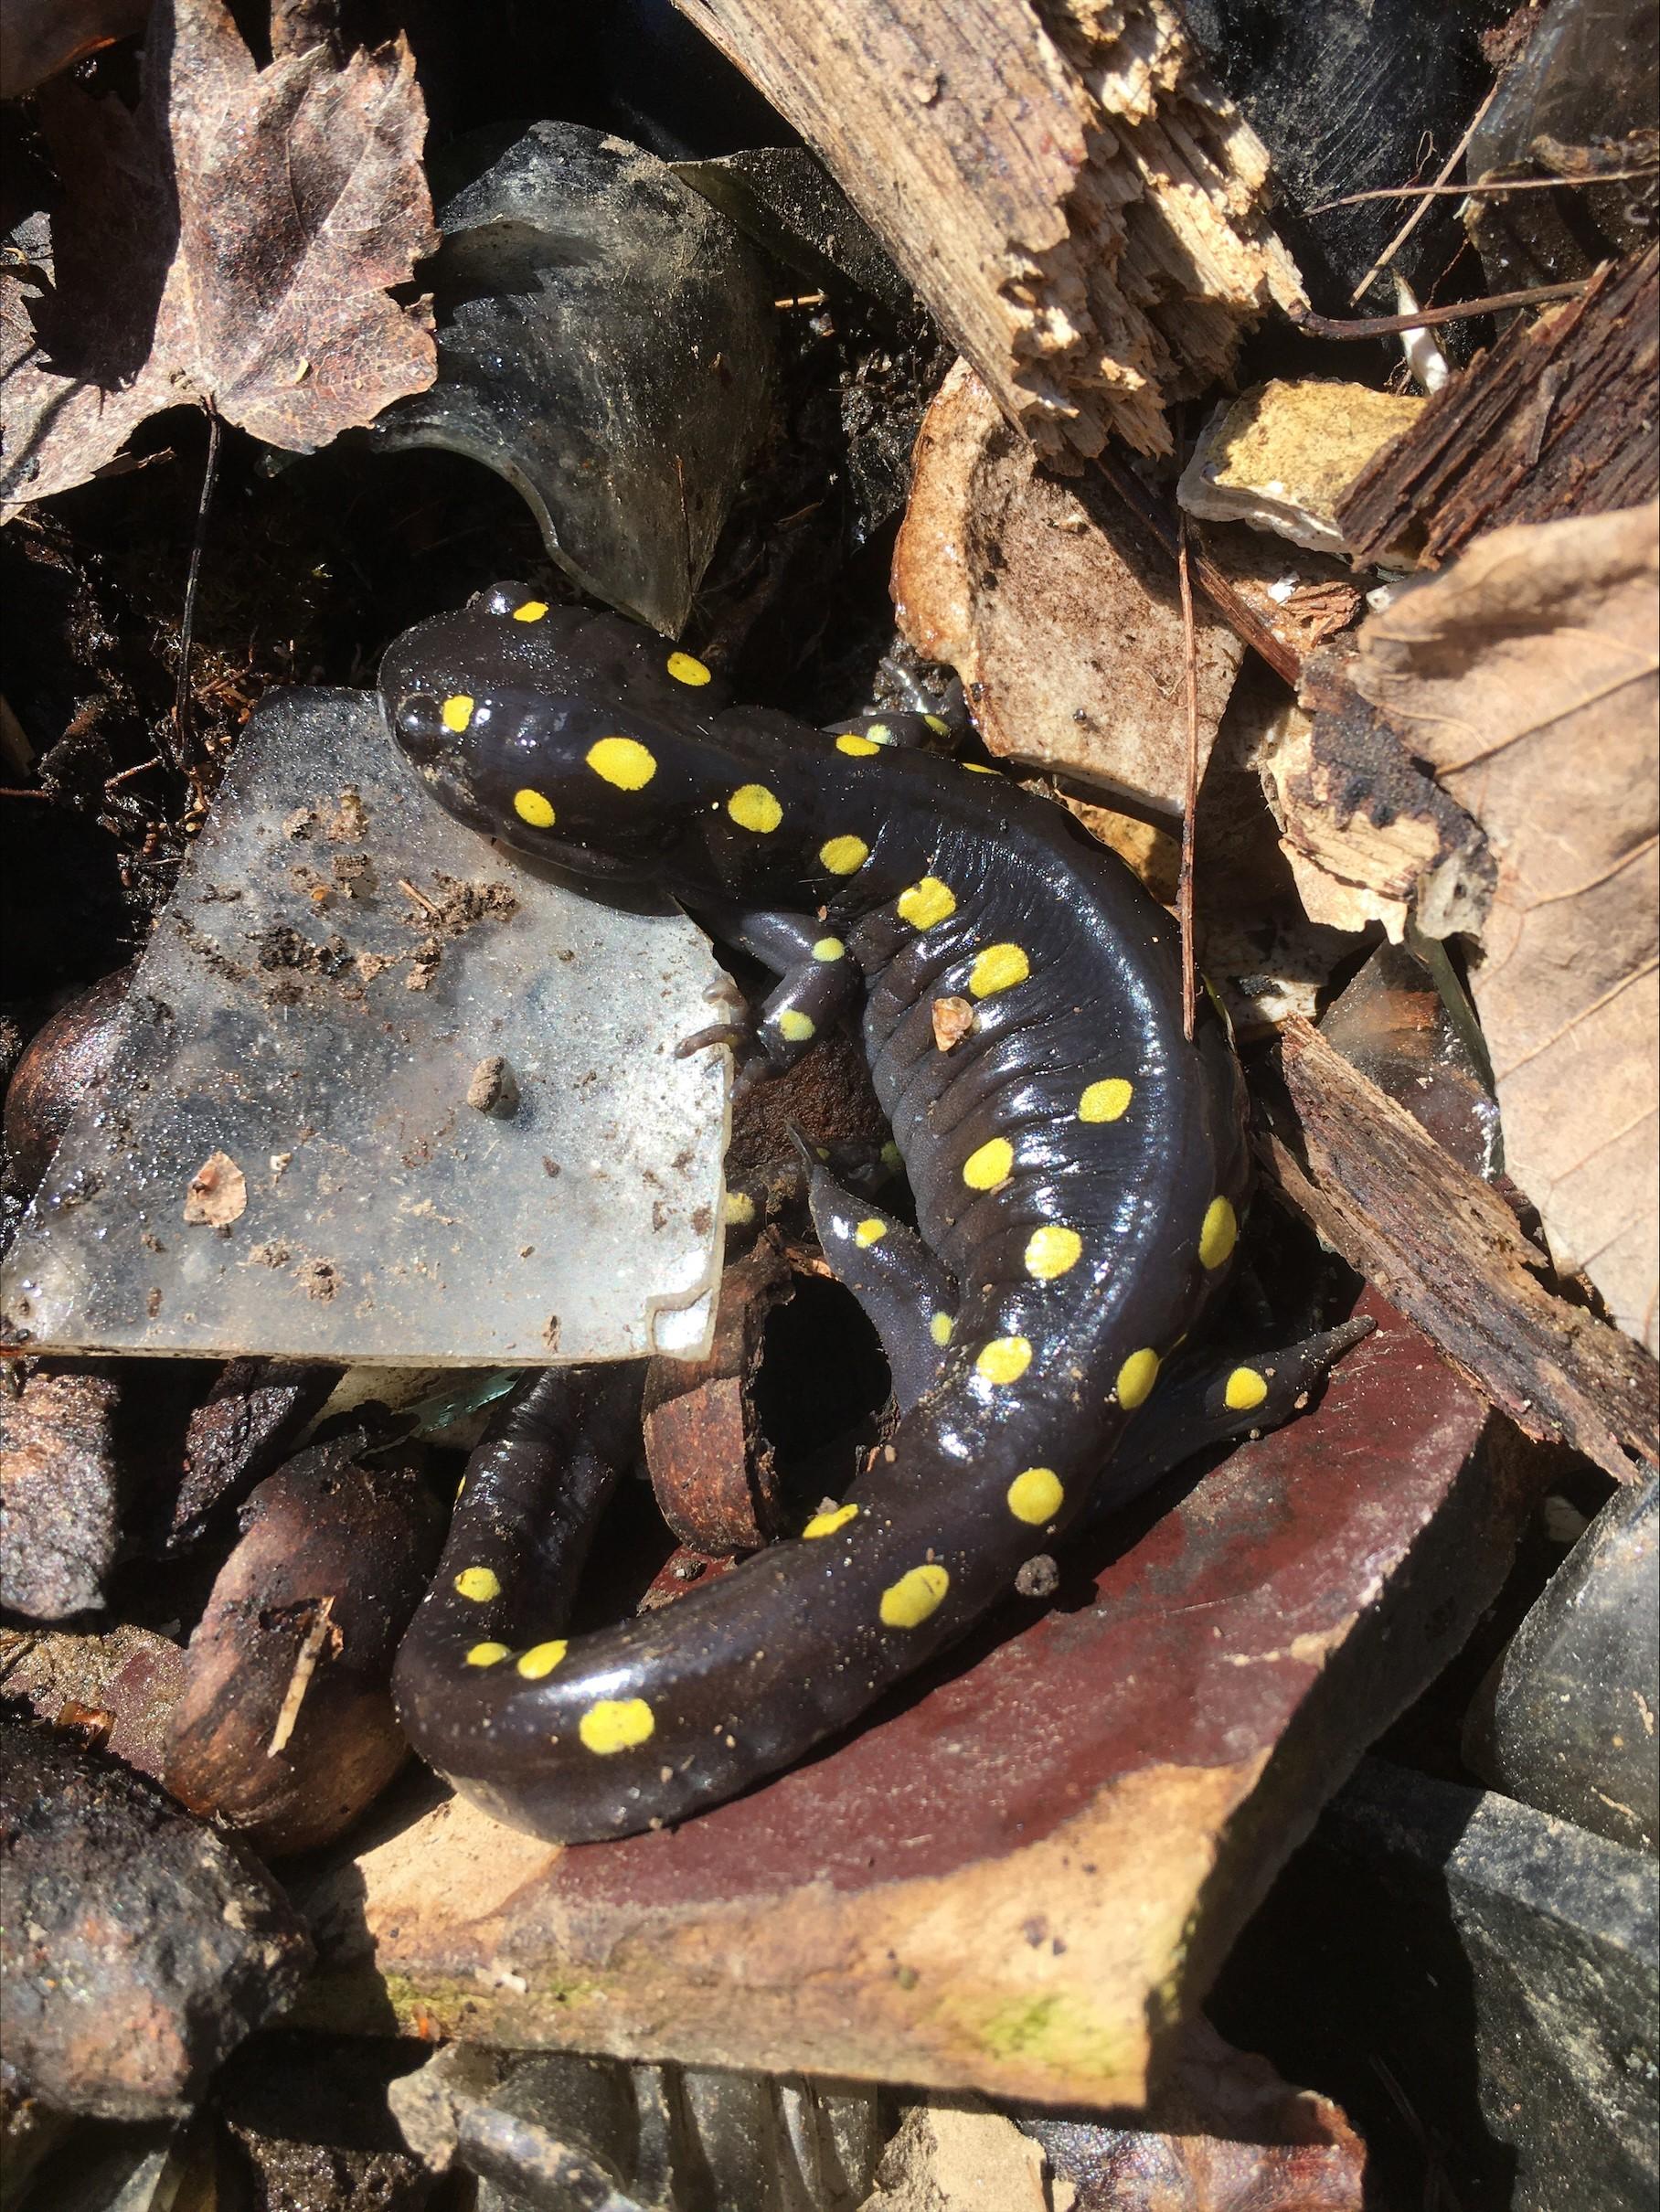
(385, 1096)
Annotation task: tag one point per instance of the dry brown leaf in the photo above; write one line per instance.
(217, 1193)
(1527, 677)
(229, 240)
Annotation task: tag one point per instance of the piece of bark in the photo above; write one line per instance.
(1525, 677)
(1057, 608)
(248, 1423)
(60, 1488)
(1446, 1248)
(1558, 420)
(116, 1690)
(1070, 195)
(1368, 835)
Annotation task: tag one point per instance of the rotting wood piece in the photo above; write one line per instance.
(1558, 420)
(1069, 194)
(1446, 1249)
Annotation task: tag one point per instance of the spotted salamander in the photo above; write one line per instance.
(1079, 1170)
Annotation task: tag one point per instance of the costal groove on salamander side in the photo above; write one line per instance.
(1075, 1165)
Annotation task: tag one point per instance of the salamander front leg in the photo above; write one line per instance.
(818, 982)
(907, 1294)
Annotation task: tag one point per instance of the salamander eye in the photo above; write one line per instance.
(421, 724)
(500, 599)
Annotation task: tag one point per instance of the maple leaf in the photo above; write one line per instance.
(228, 242)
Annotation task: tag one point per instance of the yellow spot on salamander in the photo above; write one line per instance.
(938, 724)
(530, 806)
(795, 1025)
(870, 1231)
(879, 733)
(738, 1209)
(1245, 1390)
(1136, 1379)
(616, 1724)
(856, 747)
(1051, 1250)
(753, 807)
(532, 611)
(1105, 1100)
(920, 1591)
(940, 1328)
(827, 1523)
(542, 1658)
(841, 856)
(926, 902)
(487, 1654)
(479, 1584)
(998, 969)
(456, 712)
(685, 670)
(623, 761)
(1219, 1233)
(1035, 1496)
(989, 1164)
(977, 768)
(1005, 1360)
(829, 947)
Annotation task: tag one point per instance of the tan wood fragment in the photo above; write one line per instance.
(1558, 420)
(1073, 199)
(1447, 1249)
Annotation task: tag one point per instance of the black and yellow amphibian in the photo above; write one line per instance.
(1078, 1170)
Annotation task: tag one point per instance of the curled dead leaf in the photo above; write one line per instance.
(1526, 676)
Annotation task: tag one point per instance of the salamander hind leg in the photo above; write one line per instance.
(1217, 1398)
(906, 1293)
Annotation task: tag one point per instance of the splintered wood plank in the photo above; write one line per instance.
(1024, 1873)
(1068, 193)
(1558, 420)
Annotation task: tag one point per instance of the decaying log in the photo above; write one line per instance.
(1558, 420)
(1447, 1249)
(1070, 195)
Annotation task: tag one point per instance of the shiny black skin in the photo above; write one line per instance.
(740, 1679)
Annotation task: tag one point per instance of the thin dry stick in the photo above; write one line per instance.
(181, 697)
(1447, 167)
(1190, 791)
(1467, 191)
(1384, 327)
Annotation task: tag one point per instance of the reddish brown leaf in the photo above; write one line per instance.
(229, 240)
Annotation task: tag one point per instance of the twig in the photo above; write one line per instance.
(181, 697)
(1389, 326)
(127, 774)
(1241, 618)
(1447, 167)
(7, 793)
(1190, 790)
(1513, 184)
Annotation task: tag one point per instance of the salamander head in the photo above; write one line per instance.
(574, 738)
